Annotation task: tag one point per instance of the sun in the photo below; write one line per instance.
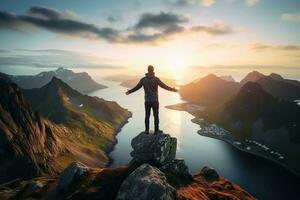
(176, 66)
(175, 61)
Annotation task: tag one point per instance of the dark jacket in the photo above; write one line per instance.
(150, 83)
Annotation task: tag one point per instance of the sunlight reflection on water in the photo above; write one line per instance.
(253, 173)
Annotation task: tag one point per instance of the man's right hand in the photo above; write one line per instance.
(127, 92)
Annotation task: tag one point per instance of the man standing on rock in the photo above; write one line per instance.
(150, 83)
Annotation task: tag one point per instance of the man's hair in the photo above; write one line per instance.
(150, 68)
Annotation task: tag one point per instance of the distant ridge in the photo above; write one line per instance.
(81, 82)
(275, 84)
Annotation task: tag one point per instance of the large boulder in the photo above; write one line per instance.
(176, 167)
(210, 174)
(154, 149)
(75, 169)
(146, 182)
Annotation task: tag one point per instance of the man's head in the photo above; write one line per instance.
(150, 69)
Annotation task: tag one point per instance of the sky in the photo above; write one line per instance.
(181, 38)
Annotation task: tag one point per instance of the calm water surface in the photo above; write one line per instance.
(262, 178)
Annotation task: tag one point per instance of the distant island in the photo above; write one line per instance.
(260, 114)
(81, 82)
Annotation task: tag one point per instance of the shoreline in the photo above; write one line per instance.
(112, 148)
(250, 152)
(182, 107)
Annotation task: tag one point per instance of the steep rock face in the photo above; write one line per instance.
(156, 149)
(28, 142)
(146, 182)
(78, 81)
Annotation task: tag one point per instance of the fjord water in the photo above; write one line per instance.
(262, 178)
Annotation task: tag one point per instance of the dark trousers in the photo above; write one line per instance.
(155, 106)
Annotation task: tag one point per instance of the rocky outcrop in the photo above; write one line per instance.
(69, 174)
(156, 149)
(164, 180)
(146, 182)
(210, 174)
(176, 167)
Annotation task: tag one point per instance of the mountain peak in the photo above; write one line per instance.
(59, 69)
(210, 77)
(252, 76)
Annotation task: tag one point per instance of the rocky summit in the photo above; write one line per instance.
(154, 173)
(146, 182)
(156, 149)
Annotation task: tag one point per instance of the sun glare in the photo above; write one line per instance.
(175, 60)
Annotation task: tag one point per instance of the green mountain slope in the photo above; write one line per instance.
(92, 121)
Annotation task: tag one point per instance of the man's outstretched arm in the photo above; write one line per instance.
(163, 85)
(137, 87)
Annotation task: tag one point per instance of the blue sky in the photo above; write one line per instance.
(167, 33)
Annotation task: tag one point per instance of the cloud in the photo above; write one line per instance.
(52, 58)
(161, 20)
(154, 37)
(156, 27)
(291, 17)
(150, 27)
(54, 21)
(263, 47)
(251, 2)
(219, 28)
